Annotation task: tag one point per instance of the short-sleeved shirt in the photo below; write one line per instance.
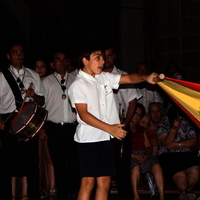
(149, 94)
(59, 109)
(97, 93)
(186, 131)
(7, 99)
(124, 94)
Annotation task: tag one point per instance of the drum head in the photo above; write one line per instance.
(22, 118)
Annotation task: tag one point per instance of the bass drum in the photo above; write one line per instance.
(27, 123)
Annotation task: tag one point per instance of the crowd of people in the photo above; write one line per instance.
(104, 129)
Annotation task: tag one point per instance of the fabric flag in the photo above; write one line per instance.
(185, 94)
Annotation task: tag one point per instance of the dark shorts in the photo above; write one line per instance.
(96, 159)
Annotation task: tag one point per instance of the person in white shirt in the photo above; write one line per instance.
(92, 95)
(126, 99)
(18, 158)
(60, 127)
(150, 93)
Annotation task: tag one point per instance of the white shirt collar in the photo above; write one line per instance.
(86, 75)
(59, 76)
(14, 70)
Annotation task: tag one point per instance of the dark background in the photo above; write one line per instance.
(157, 32)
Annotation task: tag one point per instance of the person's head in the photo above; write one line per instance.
(141, 68)
(59, 63)
(139, 113)
(16, 56)
(91, 61)
(41, 68)
(173, 71)
(144, 121)
(110, 57)
(154, 111)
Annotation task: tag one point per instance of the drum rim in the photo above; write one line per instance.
(38, 129)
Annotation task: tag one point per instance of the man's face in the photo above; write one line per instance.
(60, 63)
(109, 59)
(155, 113)
(16, 56)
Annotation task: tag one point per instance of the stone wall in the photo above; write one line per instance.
(173, 35)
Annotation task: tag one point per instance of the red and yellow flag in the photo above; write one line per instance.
(185, 94)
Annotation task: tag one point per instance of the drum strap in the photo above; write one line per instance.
(14, 87)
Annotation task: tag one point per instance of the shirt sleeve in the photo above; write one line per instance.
(39, 88)
(77, 93)
(133, 93)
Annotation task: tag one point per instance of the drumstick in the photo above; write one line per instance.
(8, 117)
(30, 86)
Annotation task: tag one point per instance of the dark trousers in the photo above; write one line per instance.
(10, 166)
(122, 163)
(6, 158)
(64, 155)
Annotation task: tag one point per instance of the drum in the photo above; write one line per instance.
(27, 123)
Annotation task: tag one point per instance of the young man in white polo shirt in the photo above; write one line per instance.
(92, 95)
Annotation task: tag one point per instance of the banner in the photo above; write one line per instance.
(185, 94)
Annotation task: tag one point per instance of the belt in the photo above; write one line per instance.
(64, 123)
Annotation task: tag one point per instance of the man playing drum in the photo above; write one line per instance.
(18, 158)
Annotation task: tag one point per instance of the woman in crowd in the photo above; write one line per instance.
(142, 160)
(176, 151)
(41, 68)
(144, 121)
(47, 178)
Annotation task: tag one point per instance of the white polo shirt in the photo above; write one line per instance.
(97, 93)
(7, 99)
(59, 110)
(124, 95)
